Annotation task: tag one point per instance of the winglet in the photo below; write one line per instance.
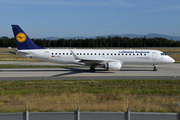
(22, 40)
(75, 56)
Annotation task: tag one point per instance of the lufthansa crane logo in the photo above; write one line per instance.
(21, 37)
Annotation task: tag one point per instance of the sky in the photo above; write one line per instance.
(90, 18)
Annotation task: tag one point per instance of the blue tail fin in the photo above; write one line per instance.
(22, 40)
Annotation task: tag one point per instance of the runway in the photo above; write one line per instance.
(170, 71)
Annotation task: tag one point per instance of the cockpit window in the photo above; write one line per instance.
(163, 54)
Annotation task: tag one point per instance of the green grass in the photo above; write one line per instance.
(133, 87)
(94, 95)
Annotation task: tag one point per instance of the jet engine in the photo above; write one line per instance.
(113, 66)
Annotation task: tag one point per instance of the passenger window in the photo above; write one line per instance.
(137, 54)
(52, 53)
(63, 53)
(141, 54)
(107, 53)
(145, 54)
(80, 53)
(122, 54)
(94, 53)
(99, 53)
(56, 53)
(87, 53)
(77, 53)
(103, 53)
(66, 53)
(114, 53)
(91, 54)
(119, 54)
(111, 54)
(126, 54)
(84, 54)
(59, 53)
(70, 53)
(133, 54)
(129, 54)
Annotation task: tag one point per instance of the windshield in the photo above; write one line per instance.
(163, 54)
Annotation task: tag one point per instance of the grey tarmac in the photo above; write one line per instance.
(169, 71)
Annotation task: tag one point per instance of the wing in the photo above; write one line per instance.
(94, 61)
(98, 61)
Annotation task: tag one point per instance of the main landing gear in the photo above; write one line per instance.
(92, 69)
(154, 69)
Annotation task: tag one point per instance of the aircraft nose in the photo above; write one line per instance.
(172, 60)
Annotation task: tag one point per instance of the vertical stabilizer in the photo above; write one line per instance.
(22, 40)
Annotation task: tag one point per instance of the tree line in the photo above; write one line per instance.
(98, 42)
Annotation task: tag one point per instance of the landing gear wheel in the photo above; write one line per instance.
(92, 69)
(154, 69)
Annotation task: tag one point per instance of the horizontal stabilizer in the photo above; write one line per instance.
(17, 52)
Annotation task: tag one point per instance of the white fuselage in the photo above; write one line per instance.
(65, 56)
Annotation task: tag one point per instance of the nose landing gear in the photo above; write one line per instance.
(154, 69)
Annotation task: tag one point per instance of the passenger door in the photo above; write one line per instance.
(46, 54)
(154, 56)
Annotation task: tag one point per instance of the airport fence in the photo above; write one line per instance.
(77, 115)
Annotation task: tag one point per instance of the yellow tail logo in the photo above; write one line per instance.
(21, 37)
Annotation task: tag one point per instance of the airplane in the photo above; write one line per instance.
(111, 60)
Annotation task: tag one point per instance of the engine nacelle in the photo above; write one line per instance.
(113, 66)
